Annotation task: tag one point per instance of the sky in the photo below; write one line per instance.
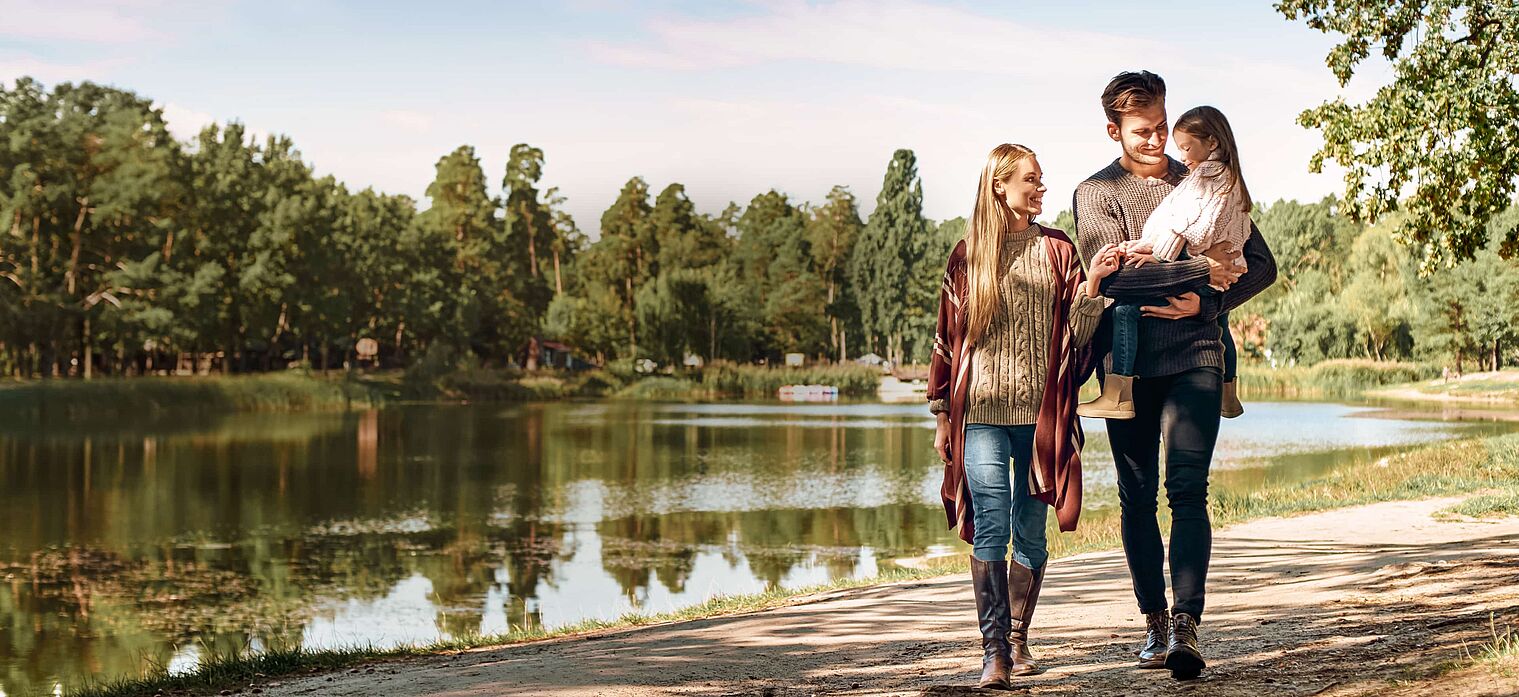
(729, 98)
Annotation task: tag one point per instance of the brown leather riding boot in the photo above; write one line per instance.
(989, 579)
(1023, 585)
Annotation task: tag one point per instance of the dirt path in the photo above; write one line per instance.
(1332, 604)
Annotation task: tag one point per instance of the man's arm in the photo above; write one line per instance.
(1098, 224)
(1261, 273)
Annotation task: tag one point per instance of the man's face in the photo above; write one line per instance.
(1142, 133)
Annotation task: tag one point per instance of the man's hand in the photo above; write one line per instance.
(1184, 305)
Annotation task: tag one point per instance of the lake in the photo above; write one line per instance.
(157, 541)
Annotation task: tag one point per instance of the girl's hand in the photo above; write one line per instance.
(941, 438)
(1104, 264)
(1140, 259)
(1138, 247)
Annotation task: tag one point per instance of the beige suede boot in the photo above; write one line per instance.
(1115, 402)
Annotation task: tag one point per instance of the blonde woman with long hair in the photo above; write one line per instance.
(1015, 312)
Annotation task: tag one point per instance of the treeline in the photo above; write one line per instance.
(1351, 291)
(126, 251)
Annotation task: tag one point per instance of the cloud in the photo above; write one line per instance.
(885, 34)
(407, 119)
(185, 123)
(51, 72)
(92, 21)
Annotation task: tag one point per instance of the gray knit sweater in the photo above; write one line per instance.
(1110, 207)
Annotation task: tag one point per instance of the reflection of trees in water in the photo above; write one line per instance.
(250, 521)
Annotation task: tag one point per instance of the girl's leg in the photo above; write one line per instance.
(1117, 398)
(1125, 337)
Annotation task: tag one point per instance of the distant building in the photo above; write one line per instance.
(794, 360)
(552, 354)
(870, 359)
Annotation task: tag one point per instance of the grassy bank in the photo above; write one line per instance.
(73, 399)
(1329, 379)
(1491, 388)
(1461, 467)
(118, 397)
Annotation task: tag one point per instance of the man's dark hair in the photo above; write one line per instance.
(1129, 91)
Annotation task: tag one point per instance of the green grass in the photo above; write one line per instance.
(1501, 386)
(1444, 469)
(114, 397)
(1489, 505)
(1336, 378)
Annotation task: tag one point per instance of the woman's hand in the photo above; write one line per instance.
(1104, 263)
(1140, 259)
(941, 437)
(1138, 247)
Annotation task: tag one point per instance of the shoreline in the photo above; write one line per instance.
(1455, 468)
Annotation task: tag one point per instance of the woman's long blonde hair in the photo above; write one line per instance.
(983, 236)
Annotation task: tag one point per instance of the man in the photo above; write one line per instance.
(1178, 369)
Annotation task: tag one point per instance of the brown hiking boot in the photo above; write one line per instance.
(1115, 402)
(1157, 636)
(1232, 408)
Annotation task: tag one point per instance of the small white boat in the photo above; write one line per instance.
(808, 393)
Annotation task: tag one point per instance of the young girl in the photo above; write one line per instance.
(1014, 310)
(1211, 206)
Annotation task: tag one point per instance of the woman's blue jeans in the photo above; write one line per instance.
(997, 460)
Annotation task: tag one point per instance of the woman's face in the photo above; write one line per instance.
(1193, 150)
(1024, 191)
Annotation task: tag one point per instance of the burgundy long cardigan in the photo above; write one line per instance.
(1055, 476)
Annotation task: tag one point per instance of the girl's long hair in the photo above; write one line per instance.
(983, 236)
(1208, 122)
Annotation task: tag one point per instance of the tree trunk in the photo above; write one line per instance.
(86, 349)
(558, 281)
(1497, 356)
(324, 357)
(71, 276)
(531, 364)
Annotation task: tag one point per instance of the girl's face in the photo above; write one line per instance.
(1193, 150)
(1024, 191)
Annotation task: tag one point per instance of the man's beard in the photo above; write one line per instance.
(1146, 159)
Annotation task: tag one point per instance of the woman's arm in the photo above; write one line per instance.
(940, 366)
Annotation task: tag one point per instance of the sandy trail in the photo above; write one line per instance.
(1333, 604)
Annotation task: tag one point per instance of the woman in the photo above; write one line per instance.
(1014, 312)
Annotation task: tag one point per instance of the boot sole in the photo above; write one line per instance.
(995, 686)
(1232, 414)
(1184, 665)
(1105, 414)
(1153, 664)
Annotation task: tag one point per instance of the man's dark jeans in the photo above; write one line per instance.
(1180, 411)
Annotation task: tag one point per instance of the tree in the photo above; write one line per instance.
(832, 231)
(888, 253)
(1443, 132)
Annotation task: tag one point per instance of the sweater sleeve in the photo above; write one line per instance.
(1262, 273)
(1098, 224)
(1085, 314)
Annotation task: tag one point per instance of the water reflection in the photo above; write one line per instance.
(162, 541)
